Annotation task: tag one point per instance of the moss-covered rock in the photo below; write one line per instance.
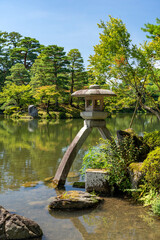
(136, 174)
(75, 200)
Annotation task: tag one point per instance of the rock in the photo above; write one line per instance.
(97, 181)
(75, 200)
(32, 110)
(72, 175)
(30, 184)
(142, 148)
(48, 179)
(13, 226)
(135, 174)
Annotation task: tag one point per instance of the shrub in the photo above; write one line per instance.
(152, 139)
(110, 156)
(62, 115)
(151, 169)
(11, 110)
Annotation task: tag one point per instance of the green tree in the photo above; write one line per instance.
(41, 74)
(152, 29)
(121, 63)
(77, 73)
(4, 60)
(18, 75)
(26, 51)
(46, 95)
(12, 39)
(15, 95)
(50, 69)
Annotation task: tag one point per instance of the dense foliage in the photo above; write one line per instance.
(118, 157)
(47, 73)
(151, 168)
(131, 71)
(152, 139)
(110, 156)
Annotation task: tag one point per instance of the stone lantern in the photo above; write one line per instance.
(93, 116)
(93, 102)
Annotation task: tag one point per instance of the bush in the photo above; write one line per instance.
(62, 115)
(11, 110)
(152, 139)
(109, 156)
(151, 169)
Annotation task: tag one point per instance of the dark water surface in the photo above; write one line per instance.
(30, 151)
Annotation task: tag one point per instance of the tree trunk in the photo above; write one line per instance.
(48, 105)
(55, 82)
(149, 109)
(134, 114)
(25, 60)
(72, 85)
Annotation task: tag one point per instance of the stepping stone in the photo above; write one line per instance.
(75, 200)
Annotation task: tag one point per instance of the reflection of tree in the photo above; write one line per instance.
(27, 155)
(117, 219)
(142, 122)
(32, 155)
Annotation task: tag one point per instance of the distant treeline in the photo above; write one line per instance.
(31, 73)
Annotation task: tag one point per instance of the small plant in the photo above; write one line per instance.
(71, 195)
(149, 197)
(156, 205)
(94, 197)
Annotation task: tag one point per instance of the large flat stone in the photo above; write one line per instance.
(75, 200)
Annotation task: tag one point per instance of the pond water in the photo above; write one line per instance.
(30, 151)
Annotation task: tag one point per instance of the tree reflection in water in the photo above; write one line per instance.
(30, 151)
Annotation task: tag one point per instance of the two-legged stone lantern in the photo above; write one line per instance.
(93, 116)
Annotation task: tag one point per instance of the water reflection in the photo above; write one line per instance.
(32, 150)
(115, 219)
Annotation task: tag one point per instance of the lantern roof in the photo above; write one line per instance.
(94, 90)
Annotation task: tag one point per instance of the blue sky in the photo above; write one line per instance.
(73, 23)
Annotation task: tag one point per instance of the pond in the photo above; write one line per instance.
(30, 151)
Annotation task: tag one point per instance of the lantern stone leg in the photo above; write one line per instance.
(70, 155)
(93, 117)
(105, 133)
